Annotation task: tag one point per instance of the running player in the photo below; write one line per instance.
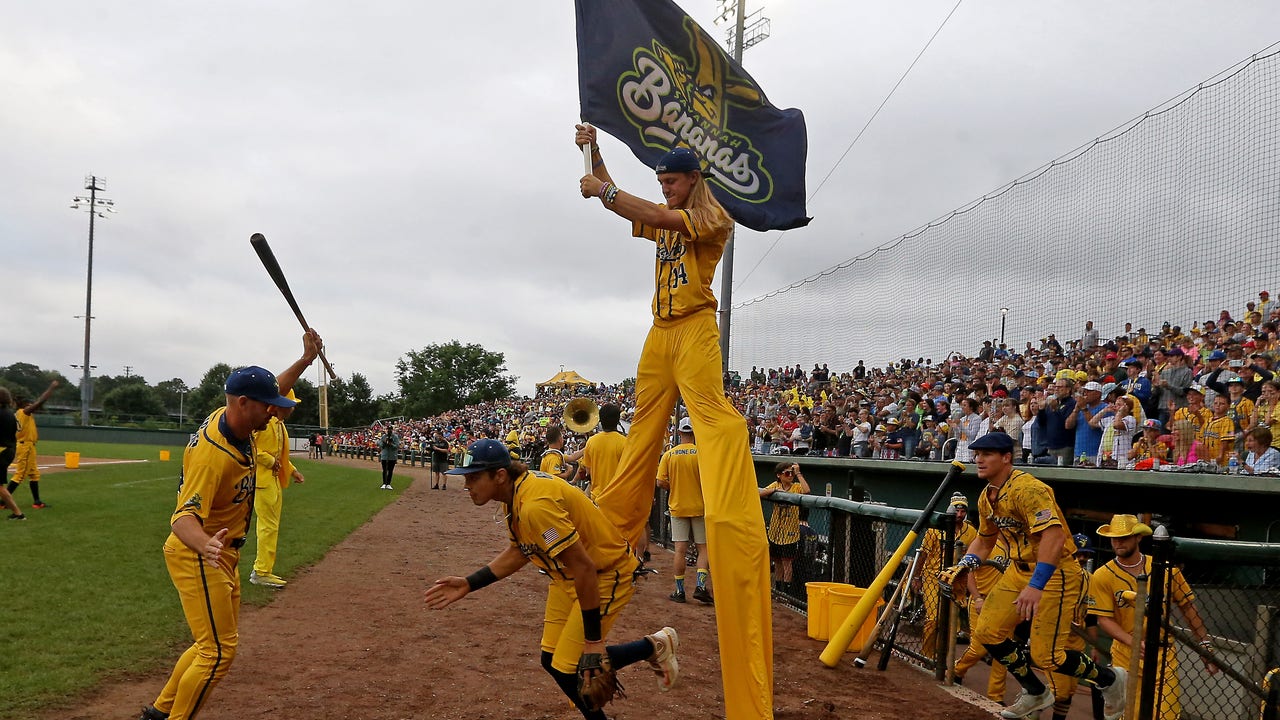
(681, 358)
(1043, 583)
(215, 504)
(555, 526)
(26, 467)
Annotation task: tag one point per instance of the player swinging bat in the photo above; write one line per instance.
(268, 258)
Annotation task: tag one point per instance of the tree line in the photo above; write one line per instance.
(430, 381)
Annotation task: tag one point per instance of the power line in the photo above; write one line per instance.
(859, 135)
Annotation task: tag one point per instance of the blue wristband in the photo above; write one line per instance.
(1040, 578)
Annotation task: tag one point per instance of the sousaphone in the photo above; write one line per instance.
(581, 415)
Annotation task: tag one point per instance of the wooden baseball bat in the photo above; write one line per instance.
(890, 610)
(843, 637)
(268, 258)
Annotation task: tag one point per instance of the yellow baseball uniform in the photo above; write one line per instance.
(1107, 599)
(548, 515)
(933, 564)
(600, 456)
(679, 468)
(216, 488)
(1018, 511)
(985, 578)
(681, 358)
(24, 459)
(270, 445)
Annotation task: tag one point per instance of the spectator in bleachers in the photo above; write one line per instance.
(966, 426)
(1088, 432)
(1051, 422)
(1172, 381)
(1262, 456)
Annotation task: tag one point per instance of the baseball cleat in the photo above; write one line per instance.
(1113, 695)
(677, 596)
(1028, 705)
(703, 595)
(149, 712)
(666, 643)
(17, 516)
(267, 580)
(39, 506)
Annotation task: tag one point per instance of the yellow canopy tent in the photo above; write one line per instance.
(565, 378)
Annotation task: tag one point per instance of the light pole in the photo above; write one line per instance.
(1004, 312)
(740, 36)
(97, 207)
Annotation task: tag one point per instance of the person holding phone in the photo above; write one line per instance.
(784, 524)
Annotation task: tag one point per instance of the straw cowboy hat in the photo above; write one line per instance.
(1124, 526)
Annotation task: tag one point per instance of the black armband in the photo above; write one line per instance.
(481, 578)
(591, 625)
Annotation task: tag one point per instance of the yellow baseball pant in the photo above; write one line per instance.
(932, 606)
(211, 602)
(562, 633)
(1051, 623)
(24, 463)
(682, 359)
(268, 501)
(1167, 686)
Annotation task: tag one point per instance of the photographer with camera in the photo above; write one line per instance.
(388, 453)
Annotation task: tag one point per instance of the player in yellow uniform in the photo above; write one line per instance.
(678, 473)
(553, 461)
(603, 451)
(981, 581)
(25, 465)
(553, 525)
(1042, 585)
(681, 358)
(274, 472)
(932, 561)
(215, 504)
(1112, 596)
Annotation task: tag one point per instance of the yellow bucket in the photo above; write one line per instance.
(164, 455)
(72, 460)
(843, 600)
(819, 595)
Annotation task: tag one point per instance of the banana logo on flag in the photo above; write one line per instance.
(684, 100)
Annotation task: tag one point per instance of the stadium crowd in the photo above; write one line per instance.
(1203, 399)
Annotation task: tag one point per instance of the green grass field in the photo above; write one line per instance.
(85, 590)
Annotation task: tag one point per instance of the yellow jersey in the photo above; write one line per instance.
(216, 486)
(1022, 508)
(26, 427)
(686, 262)
(552, 462)
(932, 545)
(270, 445)
(548, 515)
(679, 468)
(784, 524)
(1107, 599)
(601, 456)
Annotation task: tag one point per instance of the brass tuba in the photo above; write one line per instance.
(581, 415)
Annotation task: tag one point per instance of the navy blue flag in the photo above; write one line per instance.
(651, 77)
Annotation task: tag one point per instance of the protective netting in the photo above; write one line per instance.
(1173, 217)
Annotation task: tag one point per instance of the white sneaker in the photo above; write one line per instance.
(1028, 705)
(1113, 695)
(265, 580)
(666, 643)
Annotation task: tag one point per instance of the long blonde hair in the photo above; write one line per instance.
(701, 197)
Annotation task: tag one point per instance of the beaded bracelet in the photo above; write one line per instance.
(604, 189)
(612, 195)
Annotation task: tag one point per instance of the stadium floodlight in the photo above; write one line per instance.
(1004, 312)
(96, 207)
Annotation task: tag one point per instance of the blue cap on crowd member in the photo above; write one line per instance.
(1234, 379)
(680, 159)
(486, 454)
(995, 440)
(1152, 424)
(1082, 543)
(1217, 355)
(259, 384)
(1132, 361)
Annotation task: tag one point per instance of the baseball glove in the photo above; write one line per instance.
(597, 681)
(952, 583)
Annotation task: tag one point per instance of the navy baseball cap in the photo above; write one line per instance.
(680, 159)
(1217, 355)
(998, 441)
(486, 454)
(1082, 543)
(259, 384)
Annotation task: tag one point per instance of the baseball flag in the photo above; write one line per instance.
(651, 77)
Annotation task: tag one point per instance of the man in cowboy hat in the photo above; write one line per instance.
(1112, 594)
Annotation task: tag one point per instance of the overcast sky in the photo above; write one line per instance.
(412, 163)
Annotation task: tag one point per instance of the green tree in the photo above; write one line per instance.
(209, 395)
(172, 394)
(351, 402)
(308, 412)
(25, 380)
(447, 376)
(135, 399)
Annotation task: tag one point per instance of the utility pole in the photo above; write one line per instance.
(739, 40)
(97, 207)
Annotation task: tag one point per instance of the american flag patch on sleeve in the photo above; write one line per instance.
(550, 536)
(1044, 516)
